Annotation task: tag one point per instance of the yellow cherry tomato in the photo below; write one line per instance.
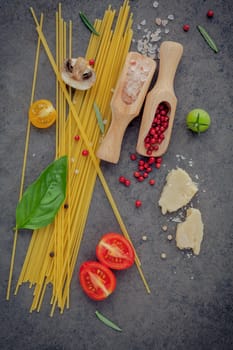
(42, 114)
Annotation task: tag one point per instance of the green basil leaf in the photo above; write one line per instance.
(107, 322)
(99, 118)
(43, 198)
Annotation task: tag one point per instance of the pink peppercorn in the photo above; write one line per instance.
(91, 62)
(85, 152)
(138, 203)
(186, 27)
(122, 179)
(210, 14)
(133, 156)
(127, 183)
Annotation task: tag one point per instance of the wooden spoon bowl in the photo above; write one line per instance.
(126, 102)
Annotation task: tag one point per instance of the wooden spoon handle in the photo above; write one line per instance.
(170, 55)
(110, 147)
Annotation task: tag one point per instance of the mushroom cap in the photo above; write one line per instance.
(77, 73)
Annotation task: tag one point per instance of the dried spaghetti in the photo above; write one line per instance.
(53, 250)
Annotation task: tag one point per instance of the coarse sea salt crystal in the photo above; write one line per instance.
(140, 45)
(143, 22)
(171, 17)
(158, 21)
(177, 219)
(164, 22)
(155, 37)
(166, 30)
(155, 4)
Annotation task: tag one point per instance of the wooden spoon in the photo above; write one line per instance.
(163, 91)
(126, 102)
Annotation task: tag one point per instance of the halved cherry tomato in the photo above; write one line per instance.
(42, 114)
(115, 251)
(97, 281)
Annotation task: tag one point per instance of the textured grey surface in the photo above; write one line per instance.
(190, 305)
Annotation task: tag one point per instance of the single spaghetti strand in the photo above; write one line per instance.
(69, 179)
(24, 161)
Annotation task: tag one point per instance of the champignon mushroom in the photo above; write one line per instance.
(77, 73)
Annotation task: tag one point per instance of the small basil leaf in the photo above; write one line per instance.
(99, 118)
(107, 322)
(43, 198)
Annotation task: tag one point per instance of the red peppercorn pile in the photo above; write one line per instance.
(159, 125)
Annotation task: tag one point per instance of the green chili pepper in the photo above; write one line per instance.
(88, 23)
(207, 38)
(107, 322)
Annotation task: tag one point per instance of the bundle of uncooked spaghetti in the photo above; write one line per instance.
(53, 250)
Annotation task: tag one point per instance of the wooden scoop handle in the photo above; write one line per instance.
(111, 145)
(170, 55)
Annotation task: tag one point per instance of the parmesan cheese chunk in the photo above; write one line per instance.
(189, 234)
(177, 192)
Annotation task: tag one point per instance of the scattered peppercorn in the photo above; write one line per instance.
(91, 62)
(127, 182)
(151, 160)
(140, 178)
(186, 27)
(77, 137)
(122, 179)
(51, 254)
(85, 152)
(210, 14)
(66, 206)
(133, 156)
(138, 203)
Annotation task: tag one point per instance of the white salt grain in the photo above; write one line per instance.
(164, 22)
(171, 17)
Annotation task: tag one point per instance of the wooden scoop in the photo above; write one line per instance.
(126, 102)
(163, 91)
